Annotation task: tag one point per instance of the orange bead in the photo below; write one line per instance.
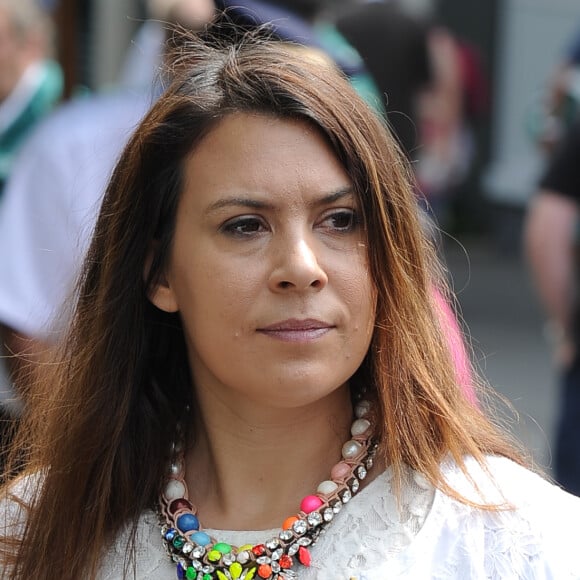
(264, 571)
(288, 522)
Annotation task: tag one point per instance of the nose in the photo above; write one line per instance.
(296, 267)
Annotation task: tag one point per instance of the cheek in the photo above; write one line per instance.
(212, 293)
(358, 293)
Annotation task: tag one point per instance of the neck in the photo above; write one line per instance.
(250, 467)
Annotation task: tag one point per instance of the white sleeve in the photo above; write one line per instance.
(537, 540)
(41, 240)
(50, 205)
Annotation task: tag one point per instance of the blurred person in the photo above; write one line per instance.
(30, 82)
(449, 109)
(255, 347)
(46, 219)
(289, 20)
(302, 21)
(552, 245)
(144, 57)
(394, 46)
(559, 103)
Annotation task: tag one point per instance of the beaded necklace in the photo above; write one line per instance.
(199, 557)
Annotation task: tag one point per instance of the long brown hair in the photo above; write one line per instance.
(97, 430)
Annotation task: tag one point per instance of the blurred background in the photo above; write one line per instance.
(481, 148)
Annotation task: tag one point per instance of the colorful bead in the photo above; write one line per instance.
(200, 538)
(304, 556)
(310, 503)
(200, 557)
(264, 571)
(187, 522)
(223, 548)
(259, 550)
(351, 449)
(340, 471)
(179, 504)
(362, 409)
(174, 490)
(176, 468)
(327, 487)
(360, 427)
(288, 522)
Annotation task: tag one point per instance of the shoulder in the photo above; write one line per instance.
(530, 527)
(72, 151)
(16, 499)
(84, 116)
(146, 547)
(501, 481)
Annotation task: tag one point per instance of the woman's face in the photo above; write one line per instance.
(268, 267)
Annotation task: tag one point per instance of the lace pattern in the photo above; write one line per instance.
(424, 536)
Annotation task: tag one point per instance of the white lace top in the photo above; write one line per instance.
(427, 535)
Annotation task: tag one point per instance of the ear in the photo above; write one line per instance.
(160, 293)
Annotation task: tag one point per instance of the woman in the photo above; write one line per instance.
(254, 343)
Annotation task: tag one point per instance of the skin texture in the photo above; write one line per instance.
(269, 273)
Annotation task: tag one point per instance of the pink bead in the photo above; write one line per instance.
(340, 471)
(310, 503)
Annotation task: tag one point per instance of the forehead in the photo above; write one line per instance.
(261, 154)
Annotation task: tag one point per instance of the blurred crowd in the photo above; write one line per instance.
(552, 244)
(428, 84)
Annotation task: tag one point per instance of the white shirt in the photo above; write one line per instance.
(427, 536)
(49, 206)
(50, 202)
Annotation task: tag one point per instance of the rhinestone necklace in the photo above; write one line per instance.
(199, 557)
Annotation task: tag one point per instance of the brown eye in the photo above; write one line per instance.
(344, 220)
(244, 226)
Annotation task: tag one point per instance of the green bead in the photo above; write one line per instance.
(235, 570)
(207, 577)
(223, 548)
(214, 556)
(178, 542)
(250, 574)
(221, 575)
(190, 573)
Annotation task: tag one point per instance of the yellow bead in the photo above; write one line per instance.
(235, 570)
(250, 574)
(214, 556)
(245, 547)
(221, 575)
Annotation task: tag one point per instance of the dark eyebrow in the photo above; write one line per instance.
(335, 196)
(238, 202)
(253, 203)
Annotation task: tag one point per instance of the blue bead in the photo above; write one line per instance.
(170, 534)
(180, 572)
(200, 538)
(187, 522)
